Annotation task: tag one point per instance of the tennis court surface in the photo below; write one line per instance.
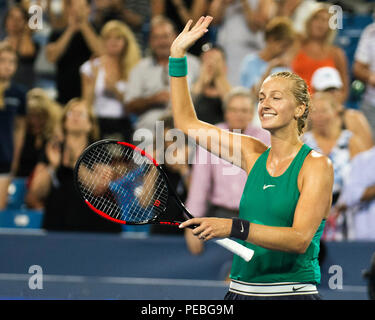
(132, 266)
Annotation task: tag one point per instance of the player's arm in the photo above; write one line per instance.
(237, 149)
(313, 205)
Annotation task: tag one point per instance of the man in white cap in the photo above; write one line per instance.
(328, 79)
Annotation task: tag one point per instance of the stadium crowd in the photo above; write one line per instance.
(99, 69)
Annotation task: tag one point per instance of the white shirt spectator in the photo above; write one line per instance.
(360, 214)
(365, 53)
(148, 78)
(105, 105)
(237, 39)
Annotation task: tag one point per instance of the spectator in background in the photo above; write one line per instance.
(12, 119)
(137, 15)
(104, 80)
(256, 67)
(216, 186)
(340, 145)
(19, 36)
(357, 199)
(240, 25)
(42, 120)
(70, 47)
(364, 70)
(148, 86)
(298, 11)
(52, 186)
(180, 11)
(176, 166)
(103, 11)
(327, 79)
(212, 85)
(316, 50)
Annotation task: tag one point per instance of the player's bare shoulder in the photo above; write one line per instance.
(317, 165)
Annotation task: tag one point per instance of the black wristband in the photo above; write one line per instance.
(240, 229)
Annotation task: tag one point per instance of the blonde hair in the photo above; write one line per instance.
(331, 33)
(38, 100)
(301, 94)
(94, 134)
(132, 53)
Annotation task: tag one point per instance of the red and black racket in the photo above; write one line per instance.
(124, 184)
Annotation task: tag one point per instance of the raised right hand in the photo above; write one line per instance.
(188, 37)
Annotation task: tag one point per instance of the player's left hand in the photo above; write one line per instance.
(209, 228)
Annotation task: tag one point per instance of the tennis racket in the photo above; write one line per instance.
(124, 184)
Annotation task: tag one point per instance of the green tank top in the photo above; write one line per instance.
(271, 201)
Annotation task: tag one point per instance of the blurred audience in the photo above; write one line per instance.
(137, 15)
(52, 186)
(104, 80)
(42, 121)
(12, 119)
(357, 200)
(316, 49)
(19, 36)
(340, 145)
(216, 185)
(328, 136)
(298, 11)
(212, 85)
(71, 46)
(364, 70)
(103, 11)
(148, 86)
(180, 11)
(97, 48)
(256, 67)
(327, 79)
(240, 25)
(176, 151)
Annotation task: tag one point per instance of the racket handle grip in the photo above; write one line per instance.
(236, 248)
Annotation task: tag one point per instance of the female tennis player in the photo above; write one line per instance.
(287, 196)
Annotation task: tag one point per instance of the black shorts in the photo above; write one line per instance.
(236, 296)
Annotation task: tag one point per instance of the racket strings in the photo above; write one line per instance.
(122, 183)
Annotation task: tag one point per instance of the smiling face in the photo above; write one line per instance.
(277, 105)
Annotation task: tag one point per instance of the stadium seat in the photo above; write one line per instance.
(21, 218)
(16, 193)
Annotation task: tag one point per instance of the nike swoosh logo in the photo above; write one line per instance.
(268, 186)
(296, 289)
(242, 229)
